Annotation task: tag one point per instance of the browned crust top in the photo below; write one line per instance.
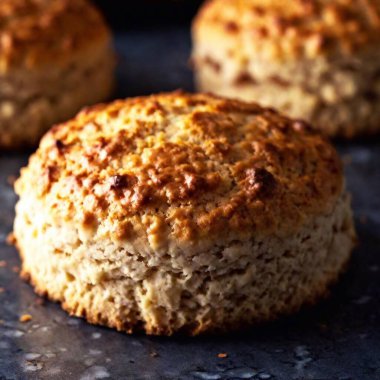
(184, 166)
(285, 29)
(34, 32)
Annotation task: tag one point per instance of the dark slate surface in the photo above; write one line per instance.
(339, 339)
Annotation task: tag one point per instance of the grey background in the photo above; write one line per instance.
(338, 339)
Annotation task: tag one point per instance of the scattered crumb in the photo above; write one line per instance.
(40, 301)
(15, 269)
(31, 356)
(11, 239)
(363, 219)
(222, 355)
(11, 180)
(3, 263)
(96, 335)
(154, 354)
(190, 63)
(32, 366)
(2, 290)
(25, 318)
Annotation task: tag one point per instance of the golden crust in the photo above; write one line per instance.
(36, 32)
(283, 29)
(184, 167)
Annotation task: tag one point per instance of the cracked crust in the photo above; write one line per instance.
(180, 212)
(185, 167)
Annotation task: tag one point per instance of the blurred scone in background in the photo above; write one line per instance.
(55, 57)
(313, 59)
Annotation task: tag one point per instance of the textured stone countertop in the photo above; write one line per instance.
(338, 339)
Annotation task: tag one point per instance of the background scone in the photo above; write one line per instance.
(55, 58)
(182, 212)
(315, 59)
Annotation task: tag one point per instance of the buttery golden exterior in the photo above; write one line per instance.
(313, 59)
(208, 164)
(154, 204)
(50, 50)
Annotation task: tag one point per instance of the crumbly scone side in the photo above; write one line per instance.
(226, 288)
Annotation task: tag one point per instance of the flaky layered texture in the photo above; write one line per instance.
(182, 212)
(316, 59)
(55, 58)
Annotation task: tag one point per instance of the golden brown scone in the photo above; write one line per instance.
(55, 58)
(312, 59)
(180, 212)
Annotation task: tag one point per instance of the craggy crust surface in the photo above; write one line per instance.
(183, 168)
(38, 32)
(278, 29)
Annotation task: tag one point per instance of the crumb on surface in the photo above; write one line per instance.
(40, 301)
(222, 355)
(11, 240)
(3, 263)
(25, 318)
(11, 180)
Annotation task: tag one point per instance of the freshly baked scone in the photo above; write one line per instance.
(181, 212)
(55, 58)
(313, 59)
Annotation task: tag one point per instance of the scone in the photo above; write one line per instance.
(55, 58)
(182, 213)
(317, 60)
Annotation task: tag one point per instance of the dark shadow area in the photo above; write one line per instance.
(150, 63)
(148, 14)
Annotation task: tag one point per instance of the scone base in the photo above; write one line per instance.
(260, 280)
